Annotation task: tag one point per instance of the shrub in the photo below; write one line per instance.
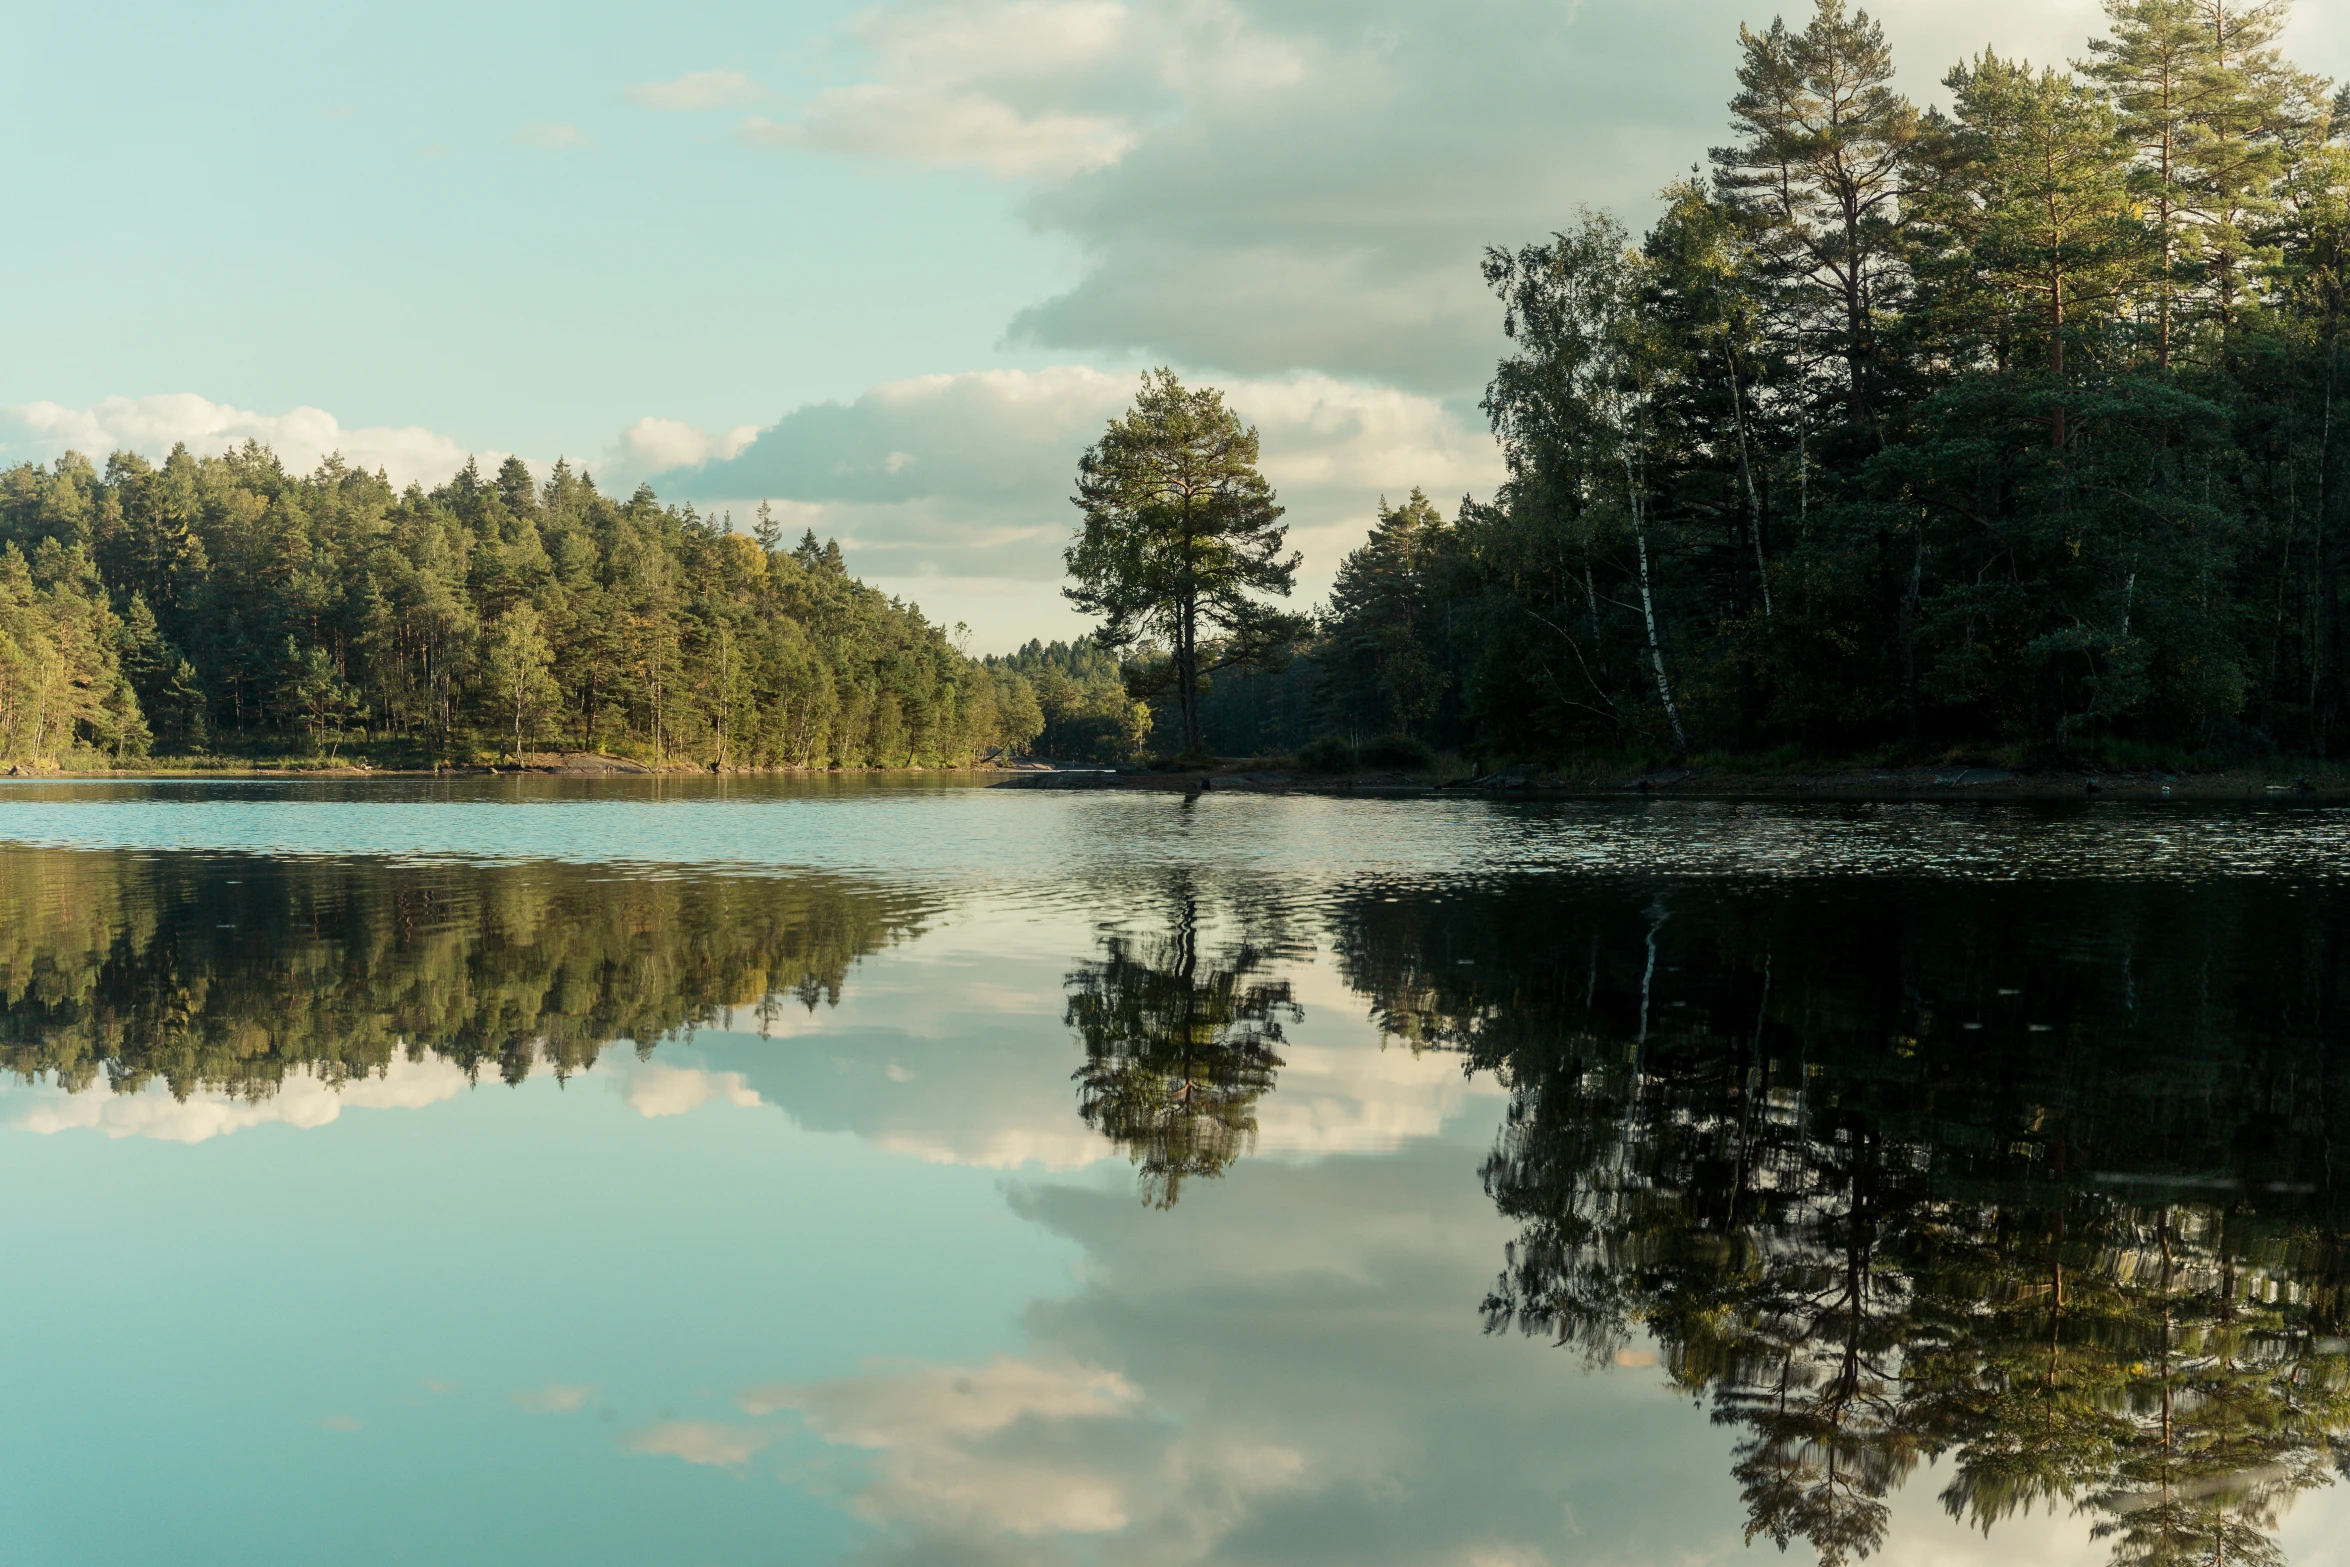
(1401, 752)
(1326, 754)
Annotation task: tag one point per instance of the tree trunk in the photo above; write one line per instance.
(1746, 474)
(1656, 652)
(2323, 583)
(1909, 627)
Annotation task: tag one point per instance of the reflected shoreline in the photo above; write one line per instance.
(2036, 1182)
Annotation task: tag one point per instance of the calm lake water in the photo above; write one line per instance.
(656, 1172)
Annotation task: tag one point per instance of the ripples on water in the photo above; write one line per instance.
(1975, 1167)
(967, 834)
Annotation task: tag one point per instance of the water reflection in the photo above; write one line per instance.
(2020, 1196)
(1179, 1047)
(244, 976)
(2036, 1180)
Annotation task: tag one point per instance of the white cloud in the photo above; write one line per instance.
(654, 1088)
(954, 488)
(652, 444)
(710, 1442)
(301, 1101)
(717, 89)
(928, 1401)
(553, 135)
(884, 122)
(1025, 89)
(1267, 186)
(982, 1146)
(1023, 1447)
(301, 437)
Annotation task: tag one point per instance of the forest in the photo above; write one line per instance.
(220, 604)
(2004, 428)
(2005, 425)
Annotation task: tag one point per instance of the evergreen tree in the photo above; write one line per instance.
(1182, 540)
(1818, 172)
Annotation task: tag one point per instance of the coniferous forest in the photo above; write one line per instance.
(220, 603)
(2014, 423)
(2008, 425)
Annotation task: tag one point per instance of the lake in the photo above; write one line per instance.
(896, 1170)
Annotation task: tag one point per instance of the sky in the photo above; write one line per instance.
(887, 266)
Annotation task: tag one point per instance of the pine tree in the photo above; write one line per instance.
(2035, 197)
(1818, 173)
(1182, 540)
(2151, 62)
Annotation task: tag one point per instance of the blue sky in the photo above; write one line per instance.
(888, 265)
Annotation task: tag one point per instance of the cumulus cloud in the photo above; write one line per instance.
(924, 1401)
(301, 437)
(553, 135)
(301, 1101)
(717, 89)
(711, 1442)
(1021, 88)
(957, 479)
(1267, 186)
(1019, 1446)
(654, 1089)
(652, 444)
(1227, 1404)
(875, 122)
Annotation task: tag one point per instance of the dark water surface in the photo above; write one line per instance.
(658, 1172)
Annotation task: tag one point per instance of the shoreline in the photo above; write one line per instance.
(1856, 785)
(1516, 783)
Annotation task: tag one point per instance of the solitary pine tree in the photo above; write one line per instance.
(1181, 536)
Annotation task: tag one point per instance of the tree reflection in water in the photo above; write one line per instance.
(227, 973)
(1178, 1047)
(2037, 1181)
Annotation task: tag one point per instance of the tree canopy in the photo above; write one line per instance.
(2008, 425)
(222, 603)
(1182, 542)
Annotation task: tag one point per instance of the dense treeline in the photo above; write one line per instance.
(223, 603)
(1082, 710)
(2008, 424)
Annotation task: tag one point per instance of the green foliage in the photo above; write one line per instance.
(62, 690)
(222, 602)
(2012, 425)
(1376, 665)
(2004, 1214)
(120, 970)
(1078, 696)
(1181, 543)
(1179, 1047)
(1326, 754)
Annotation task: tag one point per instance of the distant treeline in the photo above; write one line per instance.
(220, 603)
(2017, 424)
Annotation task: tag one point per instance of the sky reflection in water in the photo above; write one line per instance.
(918, 1174)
